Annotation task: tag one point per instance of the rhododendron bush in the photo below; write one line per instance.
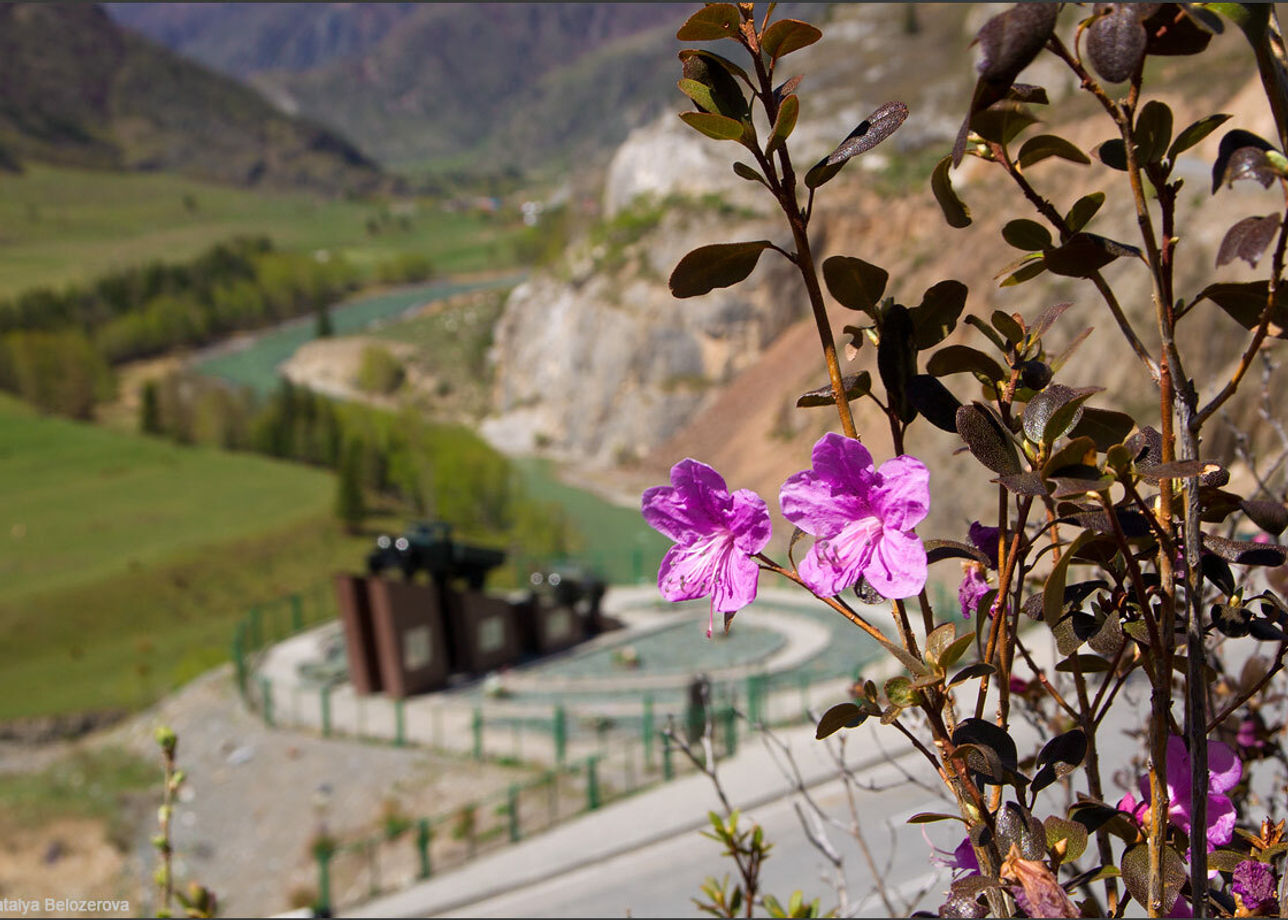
(1115, 535)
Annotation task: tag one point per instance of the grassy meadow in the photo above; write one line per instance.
(60, 226)
(127, 560)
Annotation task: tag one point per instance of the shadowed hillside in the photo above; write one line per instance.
(77, 90)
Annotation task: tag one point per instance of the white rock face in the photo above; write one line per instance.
(668, 157)
(604, 366)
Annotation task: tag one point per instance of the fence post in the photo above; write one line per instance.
(423, 837)
(476, 725)
(592, 782)
(239, 657)
(512, 807)
(561, 735)
(266, 695)
(668, 768)
(730, 731)
(646, 727)
(400, 724)
(297, 614)
(323, 854)
(324, 695)
(754, 715)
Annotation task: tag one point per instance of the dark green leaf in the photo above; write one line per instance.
(901, 693)
(721, 265)
(1116, 42)
(717, 127)
(1242, 156)
(936, 316)
(1028, 270)
(1248, 240)
(842, 715)
(1047, 318)
(955, 213)
(897, 360)
(1217, 571)
(1270, 516)
(1083, 210)
(934, 401)
(713, 21)
(978, 669)
(856, 285)
(1018, 829)
(1174, 31)
(870, 132)
(788, 35)
(856, 386)
(1029, 483)
(930, 817)
(1053, 590)
(1244, 302)
(954, 651)
(788, 109)
(985, 735)
(698, 64)
(1094, 815)
(748, 173)
(986, 439)
(1042, 146)
(1104, 426)
(1087, 664)
(1011, 330)
(1135, 869)
(821, 172)
(1153, 132)
(1054, 411)
(1010, 40)
(1072, 458)
(1113, 153)
(939, 639)
(1245, 552)
(1073, 833)
(956, 359)
(1195, 133)
(699, 93)
(1026, 234)
(1084, 254)
(1002, 122)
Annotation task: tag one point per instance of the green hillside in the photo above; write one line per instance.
(120, 550)
(61, 225)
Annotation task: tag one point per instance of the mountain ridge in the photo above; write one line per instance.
(76, 89)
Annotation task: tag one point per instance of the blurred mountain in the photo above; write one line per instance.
(76, 89)
(484, 85)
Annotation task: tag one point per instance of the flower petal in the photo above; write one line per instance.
(1221, 819)
(836, 563)
(811, 503)
(1224, 769)
(902, 497)
(898, 566)
(736, 577)
(749, 522)
(687, 571)
(843, 462)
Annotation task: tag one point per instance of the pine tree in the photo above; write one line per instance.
(350, 507)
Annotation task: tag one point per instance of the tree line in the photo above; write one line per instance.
(57, 347)
(424, 468)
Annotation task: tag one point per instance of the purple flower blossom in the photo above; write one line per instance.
(974, 578)
(985, 539)
(1249, 737)
(972, 589)
(715, 535)
(1254, 882)
(862, 518)
(1224, 772)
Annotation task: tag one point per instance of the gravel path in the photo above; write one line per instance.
(245, 820)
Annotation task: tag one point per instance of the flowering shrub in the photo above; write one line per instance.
(1114, 536)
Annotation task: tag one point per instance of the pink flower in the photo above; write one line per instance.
(862, 518)
(715, 535)
(972, 589)
(1224, 773)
